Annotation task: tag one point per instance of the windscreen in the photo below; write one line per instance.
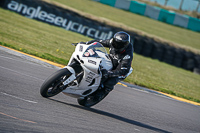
(95, 50)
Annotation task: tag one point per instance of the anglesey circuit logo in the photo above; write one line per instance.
(39, 14)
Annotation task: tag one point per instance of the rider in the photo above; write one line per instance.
(121, 53)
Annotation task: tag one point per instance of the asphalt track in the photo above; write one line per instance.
(124, 110)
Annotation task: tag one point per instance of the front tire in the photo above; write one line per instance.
(53, 85)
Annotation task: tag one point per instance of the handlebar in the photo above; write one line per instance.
(74, 44)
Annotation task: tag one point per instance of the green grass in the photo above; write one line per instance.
(54, 44)
(34, 38)
(166, 78)
(184, 37)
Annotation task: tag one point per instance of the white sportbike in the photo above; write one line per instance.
(81, 78)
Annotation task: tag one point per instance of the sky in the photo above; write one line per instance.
(187, 4)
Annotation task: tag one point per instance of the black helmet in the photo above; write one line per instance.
(120, 41)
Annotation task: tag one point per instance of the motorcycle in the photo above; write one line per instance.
(82, 77)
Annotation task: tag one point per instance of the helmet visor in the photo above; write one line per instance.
(118, 44)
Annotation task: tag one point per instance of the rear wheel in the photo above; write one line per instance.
(53, 85)
(93, 98)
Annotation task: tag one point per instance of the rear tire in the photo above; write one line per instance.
(93, 98)
(53, 85)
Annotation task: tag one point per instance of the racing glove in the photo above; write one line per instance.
(106, 74)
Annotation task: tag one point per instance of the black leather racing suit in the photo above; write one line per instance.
(121, 63)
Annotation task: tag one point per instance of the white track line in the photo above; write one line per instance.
(18, 98)
(20, 73)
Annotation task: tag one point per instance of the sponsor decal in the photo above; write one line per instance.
(91, 52)
(93, 62)
(37, 12)
(89, 77)
(86, 54)
(80, 48)
(94, 43)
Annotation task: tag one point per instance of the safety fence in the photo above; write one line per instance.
(156, 13)
(70, 20)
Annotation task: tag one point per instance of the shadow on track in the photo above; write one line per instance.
(117, 117)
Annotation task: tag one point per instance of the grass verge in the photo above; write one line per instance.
(53, 43)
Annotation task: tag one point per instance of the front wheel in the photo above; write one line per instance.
(93, 98)
(53, 85)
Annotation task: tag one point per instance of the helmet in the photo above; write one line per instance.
(120, 41)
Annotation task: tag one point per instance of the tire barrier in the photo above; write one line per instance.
(168, 54)
(157, 52)
(178, 58)
(74, 21)
(197, 64)
(188, 61)
(138, 44)
(147, 48)
(165, 53)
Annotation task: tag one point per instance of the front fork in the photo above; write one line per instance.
(70, 78)
(76, 72)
